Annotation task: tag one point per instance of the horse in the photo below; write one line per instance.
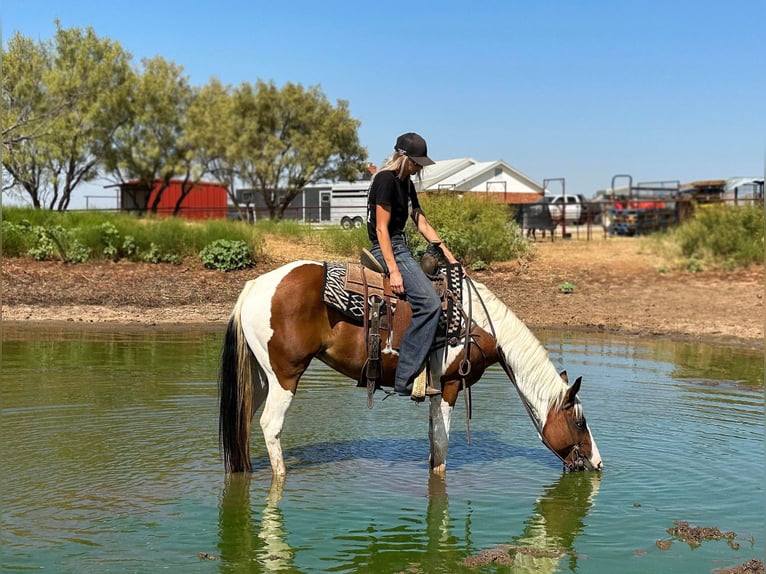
(280, 323)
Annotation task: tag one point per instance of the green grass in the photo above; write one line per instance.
(155, 239)
(347, 242)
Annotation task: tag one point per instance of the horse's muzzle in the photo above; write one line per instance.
(576, 461)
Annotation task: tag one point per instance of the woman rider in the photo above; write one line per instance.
(391, 200)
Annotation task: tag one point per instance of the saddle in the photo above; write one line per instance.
(363, 293)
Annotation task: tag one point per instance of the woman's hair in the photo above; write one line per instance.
(397, 163)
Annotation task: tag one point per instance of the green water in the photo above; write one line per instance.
(110, 464)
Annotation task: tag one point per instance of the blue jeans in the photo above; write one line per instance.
(426, 307)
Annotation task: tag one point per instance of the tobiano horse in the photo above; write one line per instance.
(281, 322)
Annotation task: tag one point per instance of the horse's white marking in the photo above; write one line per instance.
(595, 457)
(255, 312)
(255, 317)
(439, 419)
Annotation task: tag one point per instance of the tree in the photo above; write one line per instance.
(72, 92)
(209, 132)
(25, 115)
(290, 137)
(150, 147)
(93, 75)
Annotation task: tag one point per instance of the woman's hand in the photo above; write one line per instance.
(397, 285)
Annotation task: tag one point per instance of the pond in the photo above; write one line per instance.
(111, 464)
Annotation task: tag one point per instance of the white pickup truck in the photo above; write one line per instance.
(576, 208)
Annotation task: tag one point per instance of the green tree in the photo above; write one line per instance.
(291, 137)
(71, 91)
(26, 115)
(210, 132)
(150, 147)
(92, 74)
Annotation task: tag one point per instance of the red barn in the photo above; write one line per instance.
(204, 201)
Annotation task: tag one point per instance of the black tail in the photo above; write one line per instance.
(235, 387)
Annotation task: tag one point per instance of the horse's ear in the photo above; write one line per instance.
(564, 376)
(572, 393)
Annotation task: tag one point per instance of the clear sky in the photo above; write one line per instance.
(584, 90)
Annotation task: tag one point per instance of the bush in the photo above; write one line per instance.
(110, 236)
(476, 230)
(66, 243)
(77, 235)
(226, 255)
(718, 236)
(17, 238)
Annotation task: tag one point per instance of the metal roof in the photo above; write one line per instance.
(457, 173)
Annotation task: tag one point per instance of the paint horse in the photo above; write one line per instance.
(280, 323)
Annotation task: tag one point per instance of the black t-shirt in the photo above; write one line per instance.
(388, 189)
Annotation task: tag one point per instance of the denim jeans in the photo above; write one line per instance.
(426, 307)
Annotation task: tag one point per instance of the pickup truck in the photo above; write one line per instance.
(578, 209)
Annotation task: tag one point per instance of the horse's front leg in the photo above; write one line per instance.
(272, 421)
(439, 417)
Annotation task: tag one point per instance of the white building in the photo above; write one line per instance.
(496, 179)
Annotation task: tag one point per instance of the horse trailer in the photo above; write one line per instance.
(341, 203)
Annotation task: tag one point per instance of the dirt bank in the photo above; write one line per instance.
(618, 287)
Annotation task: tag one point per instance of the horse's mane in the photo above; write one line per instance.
(536, 376)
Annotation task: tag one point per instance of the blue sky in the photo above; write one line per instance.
(661, 90)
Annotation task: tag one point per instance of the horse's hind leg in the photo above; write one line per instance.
(272, 420)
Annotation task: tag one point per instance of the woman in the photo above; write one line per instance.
(391, 200)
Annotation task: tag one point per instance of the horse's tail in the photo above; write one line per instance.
(239, 368)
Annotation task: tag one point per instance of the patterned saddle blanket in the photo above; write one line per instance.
(349, 287)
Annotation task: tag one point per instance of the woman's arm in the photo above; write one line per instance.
(382, 218)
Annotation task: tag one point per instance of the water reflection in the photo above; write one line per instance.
(244, 539)
(258, 541)
(557, 521)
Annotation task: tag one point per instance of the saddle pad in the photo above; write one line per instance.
(334, 293)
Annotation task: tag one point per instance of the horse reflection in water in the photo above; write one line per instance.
(548, 536)
(280, 323)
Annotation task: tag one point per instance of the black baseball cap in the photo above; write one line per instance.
(414, 147)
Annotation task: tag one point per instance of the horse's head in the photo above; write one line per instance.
(567, 434)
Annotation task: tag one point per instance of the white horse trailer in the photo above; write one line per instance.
(343, 203)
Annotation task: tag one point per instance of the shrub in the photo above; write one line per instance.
(69, 247)
(17, 238)
(110, 236)
(129, 246)
(43, 248)
(476, 230)
(718, 236)
(226, 255)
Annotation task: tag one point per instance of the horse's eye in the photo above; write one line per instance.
(581, 423)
